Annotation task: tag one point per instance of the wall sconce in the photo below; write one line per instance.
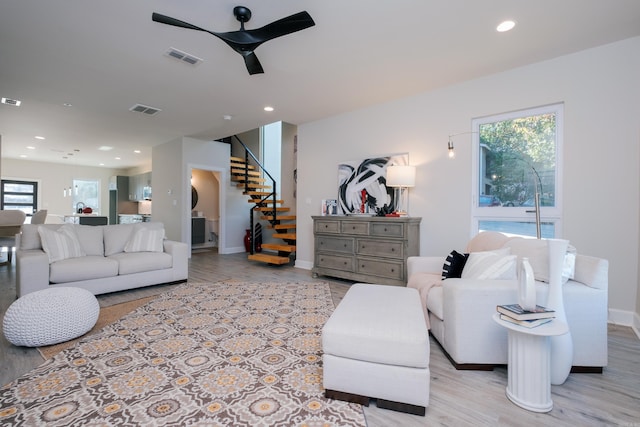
(401, 177)
(538, 187)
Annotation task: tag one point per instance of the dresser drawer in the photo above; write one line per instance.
(376, 267)
(381, 248)
(327, 226)
(355, 227)
(336, 262)
(387, 230)
(335, 244)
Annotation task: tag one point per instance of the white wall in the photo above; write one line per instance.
(601, 95)
(53, 177)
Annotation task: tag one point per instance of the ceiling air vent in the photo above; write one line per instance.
(139, 108)
(10, 101)
(183, 56)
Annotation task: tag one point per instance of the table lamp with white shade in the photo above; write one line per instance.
(401, 177)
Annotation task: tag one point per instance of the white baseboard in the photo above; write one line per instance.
(305, 265)
(625, 318)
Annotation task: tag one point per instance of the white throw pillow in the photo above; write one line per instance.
(146, 240)
(60, 244)
(491, 265)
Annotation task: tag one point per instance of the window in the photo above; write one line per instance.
(20, 195)
(517, 155)
(87, 191)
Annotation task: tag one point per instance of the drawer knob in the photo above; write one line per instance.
(393, 249)
(393, 270)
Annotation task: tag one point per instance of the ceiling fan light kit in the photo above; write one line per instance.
(244, 41)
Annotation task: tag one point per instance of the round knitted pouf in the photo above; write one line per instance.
(50, 316)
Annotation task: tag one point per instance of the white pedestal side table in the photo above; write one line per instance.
(529, 381)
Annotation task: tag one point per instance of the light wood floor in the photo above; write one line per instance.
(458, 398)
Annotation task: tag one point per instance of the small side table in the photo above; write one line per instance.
(529, 381)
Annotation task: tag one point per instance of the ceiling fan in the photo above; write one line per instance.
(246, 41)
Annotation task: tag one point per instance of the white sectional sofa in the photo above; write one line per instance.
(100, 259)
(460, 310)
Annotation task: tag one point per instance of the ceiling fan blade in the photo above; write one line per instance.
(282, 27)
(163, 19)
(252, 63)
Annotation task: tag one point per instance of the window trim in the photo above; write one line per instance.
(548, 214)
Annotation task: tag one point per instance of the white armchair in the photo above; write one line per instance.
(460, 310)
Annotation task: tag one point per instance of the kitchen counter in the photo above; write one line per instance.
(86, 219)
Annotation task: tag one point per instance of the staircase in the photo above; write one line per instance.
(267, 208)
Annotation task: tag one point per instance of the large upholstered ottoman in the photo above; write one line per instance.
(376, 345)
(50, 316)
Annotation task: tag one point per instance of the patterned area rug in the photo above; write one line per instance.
(220, 354)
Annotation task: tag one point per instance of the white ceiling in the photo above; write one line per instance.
(105, 56)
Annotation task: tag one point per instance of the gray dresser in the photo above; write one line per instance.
(365, 249)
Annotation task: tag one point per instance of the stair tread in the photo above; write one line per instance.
(271, 259)
(269, 200)
(277, 247)
(279, 217)
(282, 226)
(270, 208)
(287, 236)
(241, 171)
(251, 185)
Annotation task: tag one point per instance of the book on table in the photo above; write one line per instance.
(526, 323)
(516, 312)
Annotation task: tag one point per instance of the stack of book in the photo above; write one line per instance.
(530, 319)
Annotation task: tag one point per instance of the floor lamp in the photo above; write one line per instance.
(538, 185)
(401, 177)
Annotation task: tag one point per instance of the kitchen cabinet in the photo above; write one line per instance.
(365, 249)
(139, 187)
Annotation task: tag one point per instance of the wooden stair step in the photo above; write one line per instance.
(236, 159)
(270, 209)
(279, 217)
(251, 185)
(276, 247)
(241, 171)
(270, 259)
(269, 200)
(286, 236)
(240, 178)
(256, 193)
(282, 226)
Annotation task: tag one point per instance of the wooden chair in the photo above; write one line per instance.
(10, 224)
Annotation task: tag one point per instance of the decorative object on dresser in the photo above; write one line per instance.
(401, 177)
(366, 249)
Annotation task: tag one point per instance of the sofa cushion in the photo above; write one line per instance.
(453, 265)
(61, 244)
(91, 239)
(139, 262)
(145, 240)
(85, 268)
(117, 236)
(490, 265)
(30, 237)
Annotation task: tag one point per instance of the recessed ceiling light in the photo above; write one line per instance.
(39, 137)
(117, 158)
(105, 148)
(23, 156)
(30, 148)
(67, 104)
(268, 108)
(505, 26)
(9, 101)
(137, 151)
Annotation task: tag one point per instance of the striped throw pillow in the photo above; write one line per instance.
(60, 244)
(146, 240)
